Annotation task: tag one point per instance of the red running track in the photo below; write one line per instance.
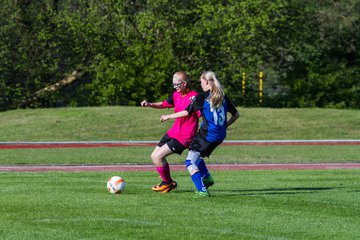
(142, 168)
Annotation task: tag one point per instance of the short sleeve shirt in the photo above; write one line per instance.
(185, 128)
(213, 127)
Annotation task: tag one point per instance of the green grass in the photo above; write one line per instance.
(244, 205)
(223, 154)
(135, 123)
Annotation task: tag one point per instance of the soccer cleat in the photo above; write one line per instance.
(202, 194)
(172, 186)
(165, 187)
(208, 182)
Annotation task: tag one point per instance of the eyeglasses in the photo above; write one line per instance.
(177, 85)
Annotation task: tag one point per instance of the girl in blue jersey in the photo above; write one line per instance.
(214, 106)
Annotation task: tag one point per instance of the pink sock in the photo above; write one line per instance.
(164, 173)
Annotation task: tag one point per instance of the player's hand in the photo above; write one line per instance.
(164, 118)
(144, 103)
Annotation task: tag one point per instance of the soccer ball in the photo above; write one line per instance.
(116, 184)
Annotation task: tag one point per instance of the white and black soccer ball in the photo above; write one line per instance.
(116, 184)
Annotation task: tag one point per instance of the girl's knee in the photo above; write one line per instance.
(156, 158)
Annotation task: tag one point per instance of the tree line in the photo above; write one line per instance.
(58, 53)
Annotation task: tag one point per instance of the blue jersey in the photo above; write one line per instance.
(213, 127)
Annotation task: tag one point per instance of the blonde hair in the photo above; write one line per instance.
(216, 91)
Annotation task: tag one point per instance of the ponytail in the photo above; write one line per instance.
(216, 93)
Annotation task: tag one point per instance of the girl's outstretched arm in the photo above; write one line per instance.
(183, 113)
(152, 105)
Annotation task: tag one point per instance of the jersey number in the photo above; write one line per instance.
(219, 115)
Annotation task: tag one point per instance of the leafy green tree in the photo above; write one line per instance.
(129, 50)
(326, 54)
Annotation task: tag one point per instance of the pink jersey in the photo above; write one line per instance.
(185, 128)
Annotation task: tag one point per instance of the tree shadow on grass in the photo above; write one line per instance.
(273, 191)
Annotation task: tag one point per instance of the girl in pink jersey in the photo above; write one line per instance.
(180, 135)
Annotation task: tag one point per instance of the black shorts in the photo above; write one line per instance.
(173, 144)
(205, 148)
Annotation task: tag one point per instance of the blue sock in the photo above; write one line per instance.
(200, 163)
(196, 178)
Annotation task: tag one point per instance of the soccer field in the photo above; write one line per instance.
(43, 201)
(312, 204)
(244, 204)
